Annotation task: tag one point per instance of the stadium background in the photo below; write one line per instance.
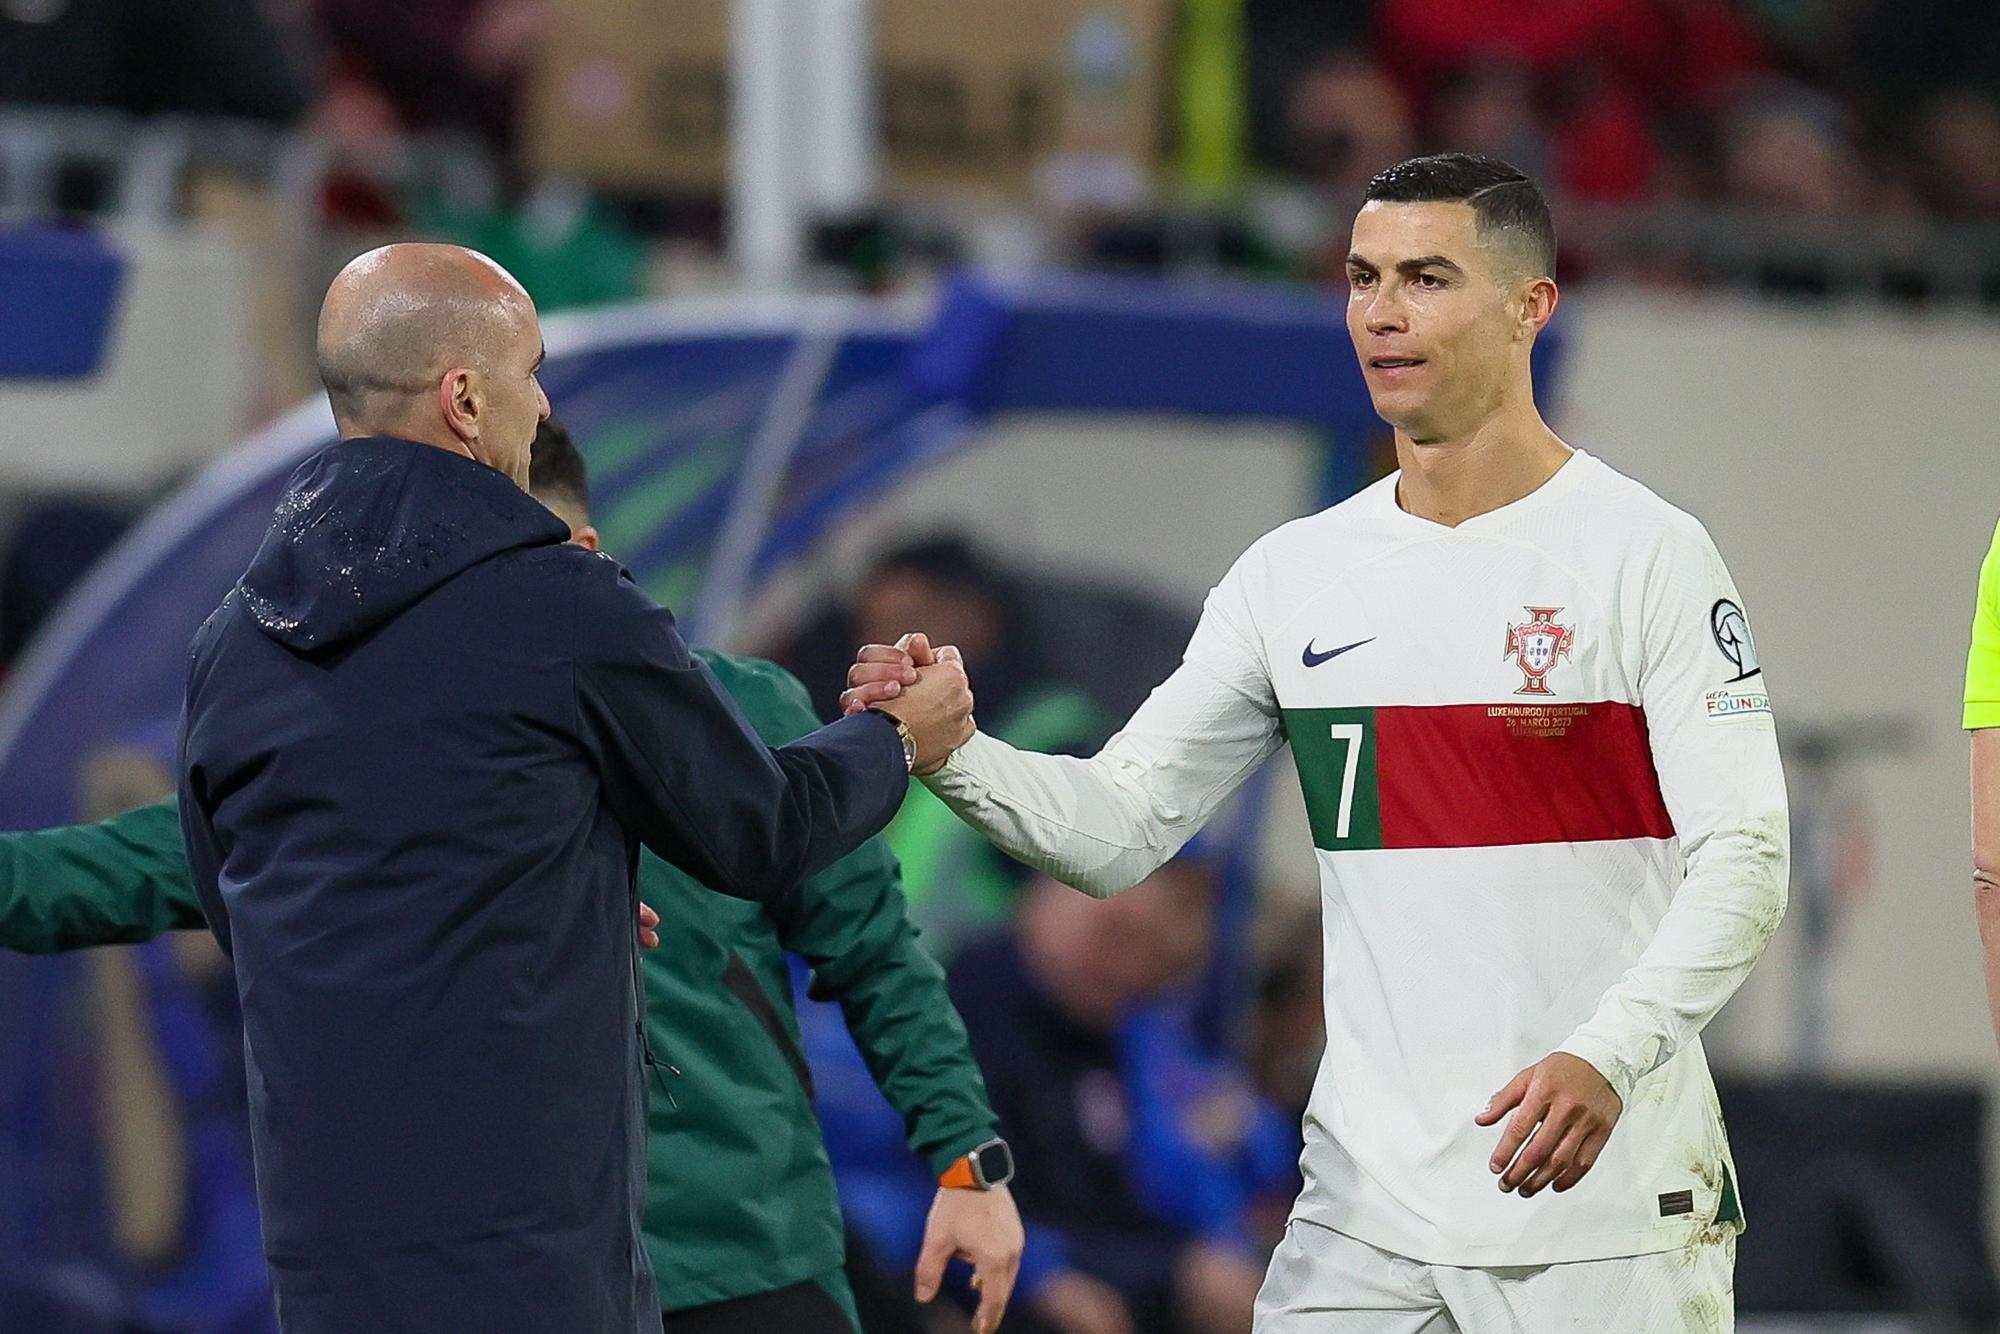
(1050, 275)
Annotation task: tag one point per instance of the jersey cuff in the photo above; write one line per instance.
(1981, 714)
(956, 774)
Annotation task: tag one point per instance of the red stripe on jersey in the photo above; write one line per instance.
(1484, 775)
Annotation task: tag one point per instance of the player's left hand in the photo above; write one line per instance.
(980, 1226)
(649, 928)
(1563, 1114)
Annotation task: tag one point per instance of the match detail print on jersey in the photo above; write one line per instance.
(1476, 775)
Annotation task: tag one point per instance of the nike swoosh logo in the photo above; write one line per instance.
(1312, 659)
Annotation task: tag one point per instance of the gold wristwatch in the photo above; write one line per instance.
(908, 738)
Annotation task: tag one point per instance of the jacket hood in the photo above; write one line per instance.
(369, 527)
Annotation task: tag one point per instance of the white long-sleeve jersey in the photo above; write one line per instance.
(1542, 777)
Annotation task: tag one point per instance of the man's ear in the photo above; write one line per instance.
(459, 403)
(1537, 307)
(585, 536)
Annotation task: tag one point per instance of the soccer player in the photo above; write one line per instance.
(741, 1217)
(1982, 719)
(1542, 777)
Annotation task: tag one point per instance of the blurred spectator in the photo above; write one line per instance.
(441, 63)
(1593, 96)
(51, 548)
(1344, 120)
(1154, 1178)
(1591, 133)
(1488, 107)
(1787, 148)
(1021, 632)
(1058, 664)
(1288, 1022)
(1958, 142)
(1141, 1156)
(1897, 52)
(174, 1126)
(246, 58)
(563, 244)
(1713, 50)
(1605, 148)
(1428, 42)
(146, 1121)
(1285, 38)
(63, 1299)
(1577, 92)
(941, 585)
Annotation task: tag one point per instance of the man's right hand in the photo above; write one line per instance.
(919, 687)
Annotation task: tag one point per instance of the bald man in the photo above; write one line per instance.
(423, 740)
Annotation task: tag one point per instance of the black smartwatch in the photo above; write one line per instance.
(989, 1165)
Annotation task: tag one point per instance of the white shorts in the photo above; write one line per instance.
(1326, 1282)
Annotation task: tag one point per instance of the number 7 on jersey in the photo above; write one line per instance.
(1335, 752)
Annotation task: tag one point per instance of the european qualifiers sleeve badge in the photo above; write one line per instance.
(1731, 630)
(1732, 635)
(1536, 647)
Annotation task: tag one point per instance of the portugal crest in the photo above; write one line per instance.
(1536, 646)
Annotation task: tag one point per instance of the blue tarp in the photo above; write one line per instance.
(58, 298)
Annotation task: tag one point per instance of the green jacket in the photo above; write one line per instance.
(741, 1197)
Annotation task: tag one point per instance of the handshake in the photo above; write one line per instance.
(922, 687)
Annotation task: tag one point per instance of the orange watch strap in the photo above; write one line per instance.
(959, 1175)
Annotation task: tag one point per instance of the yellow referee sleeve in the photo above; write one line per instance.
(1982, 665)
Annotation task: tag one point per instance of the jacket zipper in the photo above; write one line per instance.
(646, 1056)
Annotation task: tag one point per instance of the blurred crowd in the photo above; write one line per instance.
(1861, 113)
(1855, 110)
(351, 65)
(1809, 106)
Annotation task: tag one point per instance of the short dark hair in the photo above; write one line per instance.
(556, 470)
(1502, 196)
(944, 559)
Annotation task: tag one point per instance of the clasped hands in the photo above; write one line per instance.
(924, 688)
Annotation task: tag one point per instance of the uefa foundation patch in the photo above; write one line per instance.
(1726, 704)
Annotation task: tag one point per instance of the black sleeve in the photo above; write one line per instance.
(686, 773)
(204, 852)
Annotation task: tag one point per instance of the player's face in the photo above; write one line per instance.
(1433, 314)
(507, 401)
(517, 405)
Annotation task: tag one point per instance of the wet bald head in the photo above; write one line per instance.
(427, 342)
(397, 318)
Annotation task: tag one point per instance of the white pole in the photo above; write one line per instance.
(766, 206)
(837, 106)
(767, 459)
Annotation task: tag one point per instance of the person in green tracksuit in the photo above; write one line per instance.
(742, 1218)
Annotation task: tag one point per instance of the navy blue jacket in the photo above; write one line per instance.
(423, 740)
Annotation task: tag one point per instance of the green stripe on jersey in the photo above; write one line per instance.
(1335, 752)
